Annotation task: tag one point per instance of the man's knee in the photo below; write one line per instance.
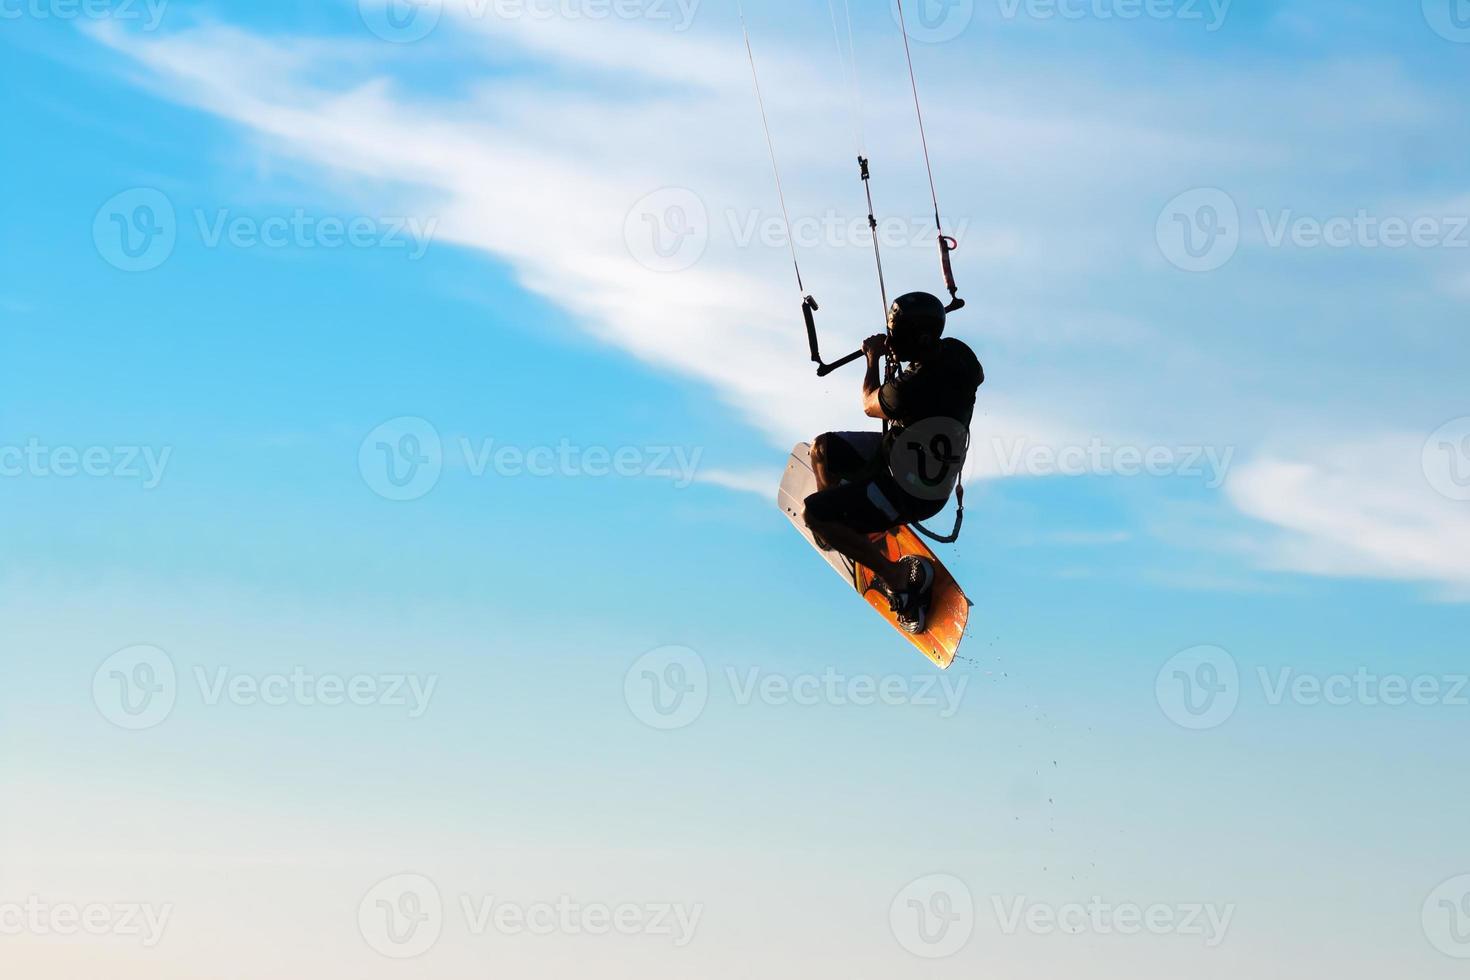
(817, 520)
(820, 446)
(814, 512)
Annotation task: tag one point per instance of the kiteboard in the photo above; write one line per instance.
(949, 609)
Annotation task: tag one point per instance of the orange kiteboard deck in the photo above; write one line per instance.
(949, 609)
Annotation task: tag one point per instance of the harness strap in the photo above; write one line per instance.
(959, 517)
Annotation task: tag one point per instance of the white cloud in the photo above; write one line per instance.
(1058, 173)
(1362, 509)
(544, 181)
(1059, 182)
(762, 483)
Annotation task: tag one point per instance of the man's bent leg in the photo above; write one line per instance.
(843, 517)
(859, 547)
(819, 461)
(839, 456)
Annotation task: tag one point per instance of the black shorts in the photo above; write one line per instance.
(867, 499)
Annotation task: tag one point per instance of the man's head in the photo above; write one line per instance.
(915, 324)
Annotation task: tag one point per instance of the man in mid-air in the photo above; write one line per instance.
(869, 483)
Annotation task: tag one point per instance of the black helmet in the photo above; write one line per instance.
(916, 315)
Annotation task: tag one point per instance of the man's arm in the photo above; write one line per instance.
(875, 347)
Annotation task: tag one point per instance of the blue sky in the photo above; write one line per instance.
(1305, 522)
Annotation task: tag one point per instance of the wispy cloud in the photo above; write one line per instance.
(1060, 175)
(761, 483)
(1361, 509)
(549, 182)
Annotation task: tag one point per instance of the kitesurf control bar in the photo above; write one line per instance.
(809, 307)
(827, 369)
